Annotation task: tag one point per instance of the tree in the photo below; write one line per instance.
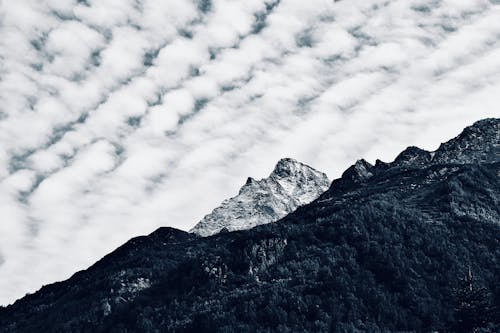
(473, 309)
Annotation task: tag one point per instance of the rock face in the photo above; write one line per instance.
(389, 247)
(479, 143)
(290, 185)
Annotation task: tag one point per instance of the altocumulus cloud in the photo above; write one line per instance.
(117, 117)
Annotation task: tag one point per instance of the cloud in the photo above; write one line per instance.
(117, 117)
(69, 47)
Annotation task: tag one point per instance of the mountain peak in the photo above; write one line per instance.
(477, 143)
(360, 171)
(413, 156)
(290, 184)
(250, 180)
(287, 167)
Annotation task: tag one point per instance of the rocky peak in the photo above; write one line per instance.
(290, 184)
(360, 171)
(413, 156)
(288, 167)
(478, 143)
(299, 180)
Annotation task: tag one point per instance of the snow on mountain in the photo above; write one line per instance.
(290, 185)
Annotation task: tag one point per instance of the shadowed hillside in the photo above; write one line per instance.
(407, 246)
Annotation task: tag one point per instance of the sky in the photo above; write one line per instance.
(121, 116)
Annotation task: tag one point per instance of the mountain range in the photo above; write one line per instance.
(407, 246)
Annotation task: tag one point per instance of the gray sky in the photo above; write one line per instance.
(117, 117)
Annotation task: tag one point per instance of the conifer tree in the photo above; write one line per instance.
(473, 309)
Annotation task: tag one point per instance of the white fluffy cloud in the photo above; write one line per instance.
(117, 117)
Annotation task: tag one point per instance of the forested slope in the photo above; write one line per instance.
(407, 246)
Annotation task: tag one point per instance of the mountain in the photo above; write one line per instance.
(407, 246)
(291, 184)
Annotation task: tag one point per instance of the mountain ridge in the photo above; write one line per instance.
(384, 249)
(484, 133)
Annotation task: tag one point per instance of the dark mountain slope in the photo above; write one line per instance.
(385, 249)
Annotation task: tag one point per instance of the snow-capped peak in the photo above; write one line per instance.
(290, 184)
